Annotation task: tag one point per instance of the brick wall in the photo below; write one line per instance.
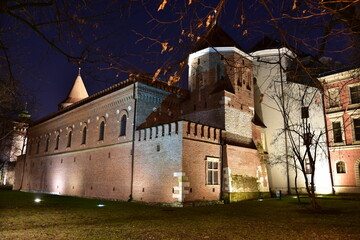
(158, 156)
(199, 143)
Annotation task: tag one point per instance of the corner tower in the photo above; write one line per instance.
(221, 85)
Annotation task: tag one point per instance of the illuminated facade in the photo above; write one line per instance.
(13, 147)
(146, 141)
(277, 83)
(342, 102)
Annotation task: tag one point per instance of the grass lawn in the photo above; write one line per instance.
(62, 217)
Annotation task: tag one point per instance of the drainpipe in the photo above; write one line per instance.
(327, 143)
(222, 167)
(133, 144)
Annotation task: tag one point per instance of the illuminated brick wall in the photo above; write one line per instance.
(340, 114)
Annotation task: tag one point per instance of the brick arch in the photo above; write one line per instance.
(101, 128)
(83, 131)
(357, 172)
(101, 119)
(123, 112)
(124, 116)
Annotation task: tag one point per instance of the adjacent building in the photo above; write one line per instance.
(342, 102)
(13, 146)
(283, 89)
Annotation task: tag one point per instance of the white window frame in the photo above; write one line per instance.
(352, 105)
(212, 170)
(337, 118)
(353, 128)
(338, 98)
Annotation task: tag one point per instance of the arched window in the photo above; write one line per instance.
(69, 139)
(83, 139)
(57, 142)
(47, 144)
(38, 146)
(30, 147)
(101, 131)
(123, 126)
(340, 167)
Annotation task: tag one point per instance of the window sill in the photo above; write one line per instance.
(353, 106)
(333, 109)
(337, 144)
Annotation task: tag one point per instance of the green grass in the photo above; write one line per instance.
(62, 217)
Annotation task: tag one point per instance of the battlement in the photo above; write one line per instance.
(158, 131)
(187, 129)
(201, 132)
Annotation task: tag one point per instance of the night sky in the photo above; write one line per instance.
(48, 76)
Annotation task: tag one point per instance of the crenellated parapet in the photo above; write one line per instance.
(188, 130)
(158, 131)
(202, 132)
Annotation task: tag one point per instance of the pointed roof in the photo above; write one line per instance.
(267, 43)
(77, 93)
(216, 37)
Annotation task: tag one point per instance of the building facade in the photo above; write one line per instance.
(281, 91)
(13, 147)
(146, 141)
(342, 102)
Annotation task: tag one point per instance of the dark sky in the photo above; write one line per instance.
(48, 75)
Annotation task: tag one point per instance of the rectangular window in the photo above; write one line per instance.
(355, 94)
(357, 129)
(212, 171)
(308, 168)
(333, 97)
(304, 112)
(337, 132)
